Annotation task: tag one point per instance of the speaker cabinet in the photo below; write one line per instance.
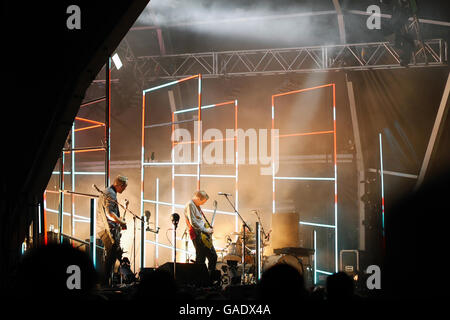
(285, 232)
(189, 273)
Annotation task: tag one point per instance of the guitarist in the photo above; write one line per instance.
(109, 224)
(198, 225)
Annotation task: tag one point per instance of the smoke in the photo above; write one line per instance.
(264, 21)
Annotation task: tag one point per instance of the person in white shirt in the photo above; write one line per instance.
(197, 225)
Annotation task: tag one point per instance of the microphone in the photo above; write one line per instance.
(147, 219)
(224, 194)
(175, 219)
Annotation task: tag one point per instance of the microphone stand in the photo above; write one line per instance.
(175, 225)
(266, 236)
(134, 238)
(244, 225)
(262, 228)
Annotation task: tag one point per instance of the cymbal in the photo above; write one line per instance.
(252, 245)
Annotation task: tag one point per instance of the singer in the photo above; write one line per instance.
(197, 226)
(109, 224)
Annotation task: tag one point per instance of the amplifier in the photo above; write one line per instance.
(189, 273)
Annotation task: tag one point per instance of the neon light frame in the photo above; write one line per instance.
(144, 164)
(236, 176)
(73, 173)
(157, 203)
(274, 178)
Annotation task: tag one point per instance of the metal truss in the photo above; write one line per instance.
(360, 56)
(129, 60)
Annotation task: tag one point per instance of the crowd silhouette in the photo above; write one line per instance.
(43, 274)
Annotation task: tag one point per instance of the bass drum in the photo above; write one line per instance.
(271, 261)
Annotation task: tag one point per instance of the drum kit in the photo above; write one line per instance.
(231, 265)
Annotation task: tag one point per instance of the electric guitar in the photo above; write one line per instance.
(207, 237)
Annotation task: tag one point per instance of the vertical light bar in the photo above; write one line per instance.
(94, 222)
(315, 257)
(335, 183)
(382, 183)
(236, 222)
(142, 262)
(157, 221)
(199, 129)
(273, 158)
(45, 218)
(258, 251)
(72, 176)
(39, 219)
(172, 156)
(92, 232)
(108, 120)
(61, 198)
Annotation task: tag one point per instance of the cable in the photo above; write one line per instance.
(168, 237)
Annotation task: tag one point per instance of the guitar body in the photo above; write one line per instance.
(113, 238)
(206, 238)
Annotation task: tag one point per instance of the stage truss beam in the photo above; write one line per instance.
(359, 56)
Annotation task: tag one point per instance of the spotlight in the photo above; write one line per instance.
(117, 61)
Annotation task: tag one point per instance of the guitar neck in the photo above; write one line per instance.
(213, 217)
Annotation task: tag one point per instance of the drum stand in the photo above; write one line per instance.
(244, 225)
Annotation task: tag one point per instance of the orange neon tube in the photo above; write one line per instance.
(88, 150)
(203, 141)
(90, 127)
(188, 78)
(90, 121)
(92, 102)
(305, 134)
(302, 90)
(223, 103)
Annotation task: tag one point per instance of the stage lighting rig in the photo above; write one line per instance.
(117, 62)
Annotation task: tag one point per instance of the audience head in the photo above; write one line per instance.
(282, 282)
(339, 287)
(55, 271)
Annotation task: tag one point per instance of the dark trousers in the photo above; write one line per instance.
(113, 252)
(202, 252)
